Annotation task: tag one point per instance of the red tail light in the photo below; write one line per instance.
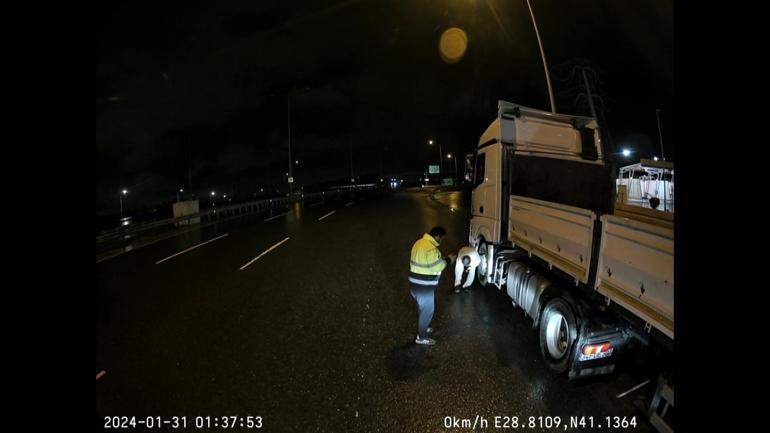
(596, 349)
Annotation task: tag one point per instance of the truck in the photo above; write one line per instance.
(555, 231)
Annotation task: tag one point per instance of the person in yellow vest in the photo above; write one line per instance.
(425, 269)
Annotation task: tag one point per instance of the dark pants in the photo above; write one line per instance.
(425, 297)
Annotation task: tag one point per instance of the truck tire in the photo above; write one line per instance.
(558, 333)
(481, 271)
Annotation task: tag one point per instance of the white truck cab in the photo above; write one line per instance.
(518, 130)
(593, 273)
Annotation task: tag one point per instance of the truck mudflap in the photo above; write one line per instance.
(598, 349)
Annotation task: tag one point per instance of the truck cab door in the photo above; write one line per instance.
(485, 201)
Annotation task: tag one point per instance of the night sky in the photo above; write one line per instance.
(206, 82)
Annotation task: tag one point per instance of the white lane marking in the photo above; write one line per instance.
(348, 204)
(267, 251)
(191, 248)
(100, 374)
(319, 219)
(277, 216)
(127, 249)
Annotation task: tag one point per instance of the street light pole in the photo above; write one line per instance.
(588, 93)
(455, 161)
(657, 115)
(350, 150)
(122, 193)
(545, 65)
(288, 105)
(440, 161)
(440, 157)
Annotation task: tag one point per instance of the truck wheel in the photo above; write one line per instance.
(481, 271)
(558, 333)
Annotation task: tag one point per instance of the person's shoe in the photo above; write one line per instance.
(457, 289)
(430, 330)
(425, 341)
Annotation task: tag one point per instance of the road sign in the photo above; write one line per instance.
(433, 169)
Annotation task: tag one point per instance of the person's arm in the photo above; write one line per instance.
(440, 262)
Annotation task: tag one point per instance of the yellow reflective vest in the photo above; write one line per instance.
(426, 262)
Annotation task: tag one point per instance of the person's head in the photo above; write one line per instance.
(437, 233)
(466, 261)
(654, 202)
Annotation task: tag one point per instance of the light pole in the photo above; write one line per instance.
(440, 160)
(178, 199)
(288, 115)
(288, 105)
(542, 53)
(657, 115)
(122, 193)
(455, 161)
(350, 149)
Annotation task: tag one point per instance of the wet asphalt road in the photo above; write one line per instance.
(318, 334)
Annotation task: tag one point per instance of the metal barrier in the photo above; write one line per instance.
(227, 211)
